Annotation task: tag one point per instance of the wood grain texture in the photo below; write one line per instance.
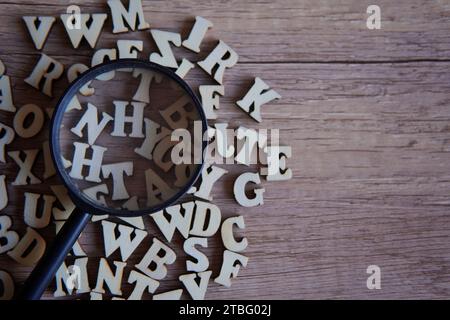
(366, 113)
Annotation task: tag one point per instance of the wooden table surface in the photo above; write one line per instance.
(367, 113)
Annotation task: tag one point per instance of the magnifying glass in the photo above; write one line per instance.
(112, 143)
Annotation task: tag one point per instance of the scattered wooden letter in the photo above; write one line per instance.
(6, 286)
(199, 226)
(197, 291)
(259, 94)
(143, 282)
(158, 255)
(123, 242)
(90, 33)
(117, 172)
(112, 280)
(277, 169)
(32, 217)
(73, 72)
(136, 119)
(157, 188)
(9, 238)
(154, 133)
(163, 39)
(24, 113)
(39, 33)
(29, 249)
(94, 127)
(229, 267)
(197, 34)
(202, 260)
(217, 58)
(80, 160)
(6, 100)
(72, 279)
(184, 68)
(24, 175)
(128, 49)
(120, 15)
(210, 99)
(147, 77)
(3, 192)
(100, 56)
(178, 220)
(228, 239)
(239, 190)
(6, 138)
(63, 197)
(210, 175)
(41, 71)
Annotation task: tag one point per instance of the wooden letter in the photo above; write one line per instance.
(103, 55)
(239, 190)
(90, 33)
(73, 73)
(6, 286)
(123, 241)
(229, 267)
(179, 221)
(153, 134)
(136, 119)
(197, 34)
(217, 58)
(113, 281)
(3, 192)
(6, 100)
(9, 238)
(147, 77)
(120, 15)
(197, 291)
(73, 277)
(30, 211)
(63, 197)
(157, 188)
(210, 175)
(41, 71)
(277, 169)
(202, 261)
(117, 171)
(39, 34)
(29, 249)
(142, 282)
(94, 128)
(184, 68)
(177, 110)
(94, 164)
(210, 99)
(6, 138)
(24, 175)
(128, 49)
(163, 39)
(34, 127)
(201, 210)
(259, 94)
(154, 256)
(228, 238)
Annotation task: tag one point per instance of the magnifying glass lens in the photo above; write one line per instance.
(128, 139)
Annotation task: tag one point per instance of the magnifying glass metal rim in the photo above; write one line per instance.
(78, 197)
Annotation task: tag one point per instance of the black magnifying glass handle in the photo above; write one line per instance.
(54, 256)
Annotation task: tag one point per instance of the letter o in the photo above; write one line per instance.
(36, 125)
